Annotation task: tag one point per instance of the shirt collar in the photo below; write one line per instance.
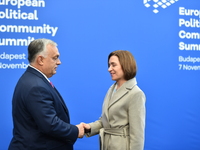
(40, 72)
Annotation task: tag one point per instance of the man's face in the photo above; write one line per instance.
(51, 61)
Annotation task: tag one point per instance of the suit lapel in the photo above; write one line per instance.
(62, 101)
(32, 70)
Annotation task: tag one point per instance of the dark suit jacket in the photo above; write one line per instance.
(40, 116)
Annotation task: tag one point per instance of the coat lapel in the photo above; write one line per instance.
(117, 96)
(105, 118)
(111, 100)
(123, 90)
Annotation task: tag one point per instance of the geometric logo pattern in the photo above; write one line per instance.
(158, 4)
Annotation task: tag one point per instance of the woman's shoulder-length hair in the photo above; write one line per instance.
(127, 62)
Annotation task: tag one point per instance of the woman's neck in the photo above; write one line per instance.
(119, 83)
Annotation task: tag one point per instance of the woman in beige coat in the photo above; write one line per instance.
(122, 123)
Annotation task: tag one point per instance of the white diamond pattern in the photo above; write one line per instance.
(158, 4)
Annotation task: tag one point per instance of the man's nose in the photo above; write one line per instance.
(58, 62)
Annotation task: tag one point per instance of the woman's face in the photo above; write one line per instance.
(115, 70)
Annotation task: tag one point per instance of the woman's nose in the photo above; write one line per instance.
(109, 68)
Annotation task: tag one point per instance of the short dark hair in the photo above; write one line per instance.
(38, 46)
(127, 61)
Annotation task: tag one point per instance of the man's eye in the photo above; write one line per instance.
(55, 58)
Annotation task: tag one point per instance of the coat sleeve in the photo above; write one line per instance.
(137, 113)
(95, 127)
(40, 105)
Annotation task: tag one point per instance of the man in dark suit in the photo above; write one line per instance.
(40, 117)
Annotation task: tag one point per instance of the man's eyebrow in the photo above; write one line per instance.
(57, 55)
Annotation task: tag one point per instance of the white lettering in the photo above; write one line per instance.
(13, 66)
(13, 14)
(20, 3)
(189, 67)
(189, 59)
(192, 47)
(194, 23)
(15, 42)
(29, 29)
(189, 35)
(189, 12)
(10, 57)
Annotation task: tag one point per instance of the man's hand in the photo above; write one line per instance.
(87, 127)
(80, 130)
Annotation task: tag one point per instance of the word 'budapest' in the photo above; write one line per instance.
(189, 59)
(12, 56)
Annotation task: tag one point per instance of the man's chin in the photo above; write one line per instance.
(52, 74)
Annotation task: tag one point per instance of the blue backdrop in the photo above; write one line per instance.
(163, 35)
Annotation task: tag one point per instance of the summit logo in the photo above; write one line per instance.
(158, 4)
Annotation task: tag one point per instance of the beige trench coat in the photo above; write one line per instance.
(122, 124)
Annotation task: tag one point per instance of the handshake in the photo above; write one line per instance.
(83, 128)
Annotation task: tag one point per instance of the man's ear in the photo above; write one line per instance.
(40, 60)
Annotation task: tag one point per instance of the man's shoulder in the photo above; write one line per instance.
(32, 78)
